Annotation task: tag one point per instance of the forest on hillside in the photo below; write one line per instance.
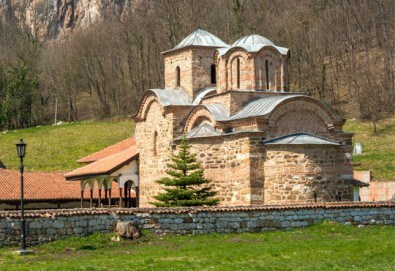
(342, 51)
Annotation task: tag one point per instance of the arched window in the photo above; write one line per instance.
(155, 143)
(267, 73)
(213, 74)
(178, 76)
(238, 72)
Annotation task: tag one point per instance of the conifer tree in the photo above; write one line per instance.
(184, 186)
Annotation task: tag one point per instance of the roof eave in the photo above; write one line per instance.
(103, 173)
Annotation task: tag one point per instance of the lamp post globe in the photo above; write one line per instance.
(21, 148)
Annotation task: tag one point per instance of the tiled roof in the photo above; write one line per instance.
(104, 166)
(200, 38)
(300, 139)
(127, 143)
(39, 186)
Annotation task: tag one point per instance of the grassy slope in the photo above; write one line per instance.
(326, 246)
(56, 148)
(378, 150)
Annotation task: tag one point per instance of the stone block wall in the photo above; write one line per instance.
(306, 173)
(202, 59)
(227, 163)
(49, 225)
(195, 69)
(183, 60)
(154, 136)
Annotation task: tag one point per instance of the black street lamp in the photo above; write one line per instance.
(21, 150)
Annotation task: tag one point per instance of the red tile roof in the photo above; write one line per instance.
(113, 149)
(41, 186)
(104, 166)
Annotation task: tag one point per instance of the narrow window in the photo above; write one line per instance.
(213, 74)
(238, 72)
(178, 76)
(155, 143)
(267, 73)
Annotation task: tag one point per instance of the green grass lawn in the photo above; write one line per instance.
(57, 148)
(378, 150)
(327, 246)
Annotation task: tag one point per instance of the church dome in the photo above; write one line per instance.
(200, 38)
(253, 43)
(252, 40)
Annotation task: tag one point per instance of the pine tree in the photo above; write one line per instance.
(184, 186)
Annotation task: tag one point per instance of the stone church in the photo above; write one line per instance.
(258, 142)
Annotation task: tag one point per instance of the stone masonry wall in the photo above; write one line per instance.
(195, 69)
(49, 225)
(227, 163)
(156, 151)
(184, 61)
(306, 173)
(153, 155)
(202, 59)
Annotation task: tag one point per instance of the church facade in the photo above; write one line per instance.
(258, 142)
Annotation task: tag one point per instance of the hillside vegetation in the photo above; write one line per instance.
(57, 148)
(378, 149)
(342, 52)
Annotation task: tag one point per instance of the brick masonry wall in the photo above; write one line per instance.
(49, 225)
(301, 173)
(195, 69)
(183, 60)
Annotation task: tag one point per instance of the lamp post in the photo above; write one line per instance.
(21, 150)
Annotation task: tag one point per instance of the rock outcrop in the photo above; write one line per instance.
(56, 19)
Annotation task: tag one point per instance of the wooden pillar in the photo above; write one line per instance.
(99, 202)
(120, 198)
(282, 76)
(105, 196)
(137, 196)
(82, 199)
(91, 198)
(109, 198)
(125, 194)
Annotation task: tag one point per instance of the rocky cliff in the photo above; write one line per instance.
(56, 19)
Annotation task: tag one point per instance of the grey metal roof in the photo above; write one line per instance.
(218, 111)
(172, 97)
(200, 38)
(252, 40)
(300, 139)
(202, 94)
(204, 130)
(254, 43)
(261, 106)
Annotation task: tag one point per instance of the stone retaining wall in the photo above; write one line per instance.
(48, 225)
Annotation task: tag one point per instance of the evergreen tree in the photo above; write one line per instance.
(184, 186)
